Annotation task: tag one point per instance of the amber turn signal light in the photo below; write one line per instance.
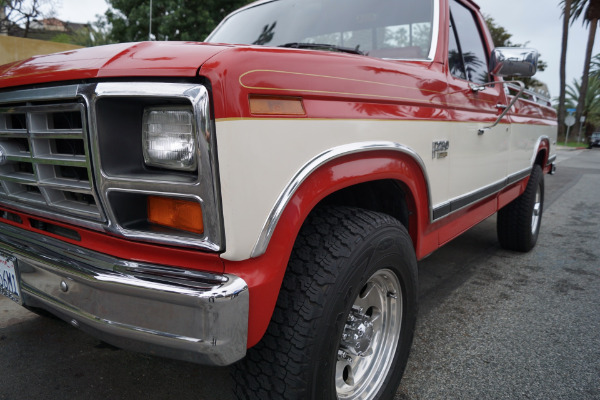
(179, 214)
(276, 105)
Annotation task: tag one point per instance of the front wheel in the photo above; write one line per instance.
(345, 316)
(370, 337)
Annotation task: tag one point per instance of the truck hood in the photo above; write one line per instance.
(175, 59)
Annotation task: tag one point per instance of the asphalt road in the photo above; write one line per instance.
(492, 325)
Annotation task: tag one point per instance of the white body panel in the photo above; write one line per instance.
(477, 161)
(524, 144)
(258, 159)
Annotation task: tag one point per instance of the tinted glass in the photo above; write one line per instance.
(474, 54)
(455, 60)
(380, 28)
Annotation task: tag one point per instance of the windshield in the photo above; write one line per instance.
(398, 29)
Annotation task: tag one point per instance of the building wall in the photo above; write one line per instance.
(15, 48)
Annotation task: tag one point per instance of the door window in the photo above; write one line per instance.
(467, 54)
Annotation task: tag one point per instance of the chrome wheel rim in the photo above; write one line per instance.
(537, 210)
(370, 337)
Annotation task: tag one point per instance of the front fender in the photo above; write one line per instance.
(317, 180)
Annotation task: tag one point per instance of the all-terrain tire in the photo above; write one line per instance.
(345, 316)
(518, 224)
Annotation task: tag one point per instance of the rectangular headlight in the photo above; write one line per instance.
(168, 136)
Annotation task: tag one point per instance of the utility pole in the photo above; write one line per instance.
(150, 25)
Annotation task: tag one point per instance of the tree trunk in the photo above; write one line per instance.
(586, 73)
(563, 69)
(3, 21)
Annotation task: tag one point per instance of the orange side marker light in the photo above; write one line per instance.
(179, 214)
(276, 105)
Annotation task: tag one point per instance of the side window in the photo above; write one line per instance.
(465, 40)
(455, 60)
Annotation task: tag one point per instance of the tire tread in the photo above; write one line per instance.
(276, 367)
(514, 220)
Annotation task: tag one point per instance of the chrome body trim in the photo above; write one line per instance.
(36, 174)
(205, 187)
(329, 155)
(458, 203)
(435, 31)
(188, 315)
(513, 61)
(537, 147)
(49, 93)
(182, 239)
(536, 97)
(440, 211)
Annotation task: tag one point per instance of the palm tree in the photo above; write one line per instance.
(590, 9)
(592, 101)
(595, 66)
(566, 5)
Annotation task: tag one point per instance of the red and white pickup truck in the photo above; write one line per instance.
(265, 196)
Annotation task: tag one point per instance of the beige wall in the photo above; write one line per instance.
(15, 48)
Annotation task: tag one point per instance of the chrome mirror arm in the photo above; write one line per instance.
(481, 131)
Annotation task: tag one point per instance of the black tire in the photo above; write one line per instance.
(518, 223)
(338, 251)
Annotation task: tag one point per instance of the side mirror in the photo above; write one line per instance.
(513, 61)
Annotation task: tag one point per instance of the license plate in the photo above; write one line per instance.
(9, 286)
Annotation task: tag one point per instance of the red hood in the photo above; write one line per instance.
(118, 60)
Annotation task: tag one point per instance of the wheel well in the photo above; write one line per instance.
(385, 196)
(540, 159)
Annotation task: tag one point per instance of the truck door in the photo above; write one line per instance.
(478, 161)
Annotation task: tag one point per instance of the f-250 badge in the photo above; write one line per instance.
(439, 149)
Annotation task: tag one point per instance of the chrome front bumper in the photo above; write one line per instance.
(192, 316)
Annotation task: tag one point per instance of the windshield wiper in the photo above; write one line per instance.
(323, 46)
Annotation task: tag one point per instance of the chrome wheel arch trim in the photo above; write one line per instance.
(318, 161)
(536, 149)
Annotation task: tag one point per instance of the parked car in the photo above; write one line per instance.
(594, 140)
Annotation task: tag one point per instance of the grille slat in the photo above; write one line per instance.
(65, 185)
(78, 161)
(24, 158)
(56, 135)
(45, 161)
(18, 177)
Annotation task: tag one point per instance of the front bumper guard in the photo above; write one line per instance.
(170, 312)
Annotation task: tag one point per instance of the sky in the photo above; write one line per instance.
(535, 22)
(79, 10)
(539, 24)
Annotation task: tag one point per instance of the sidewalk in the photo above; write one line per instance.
(562, 147)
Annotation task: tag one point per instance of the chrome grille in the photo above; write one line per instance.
(44, 160)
